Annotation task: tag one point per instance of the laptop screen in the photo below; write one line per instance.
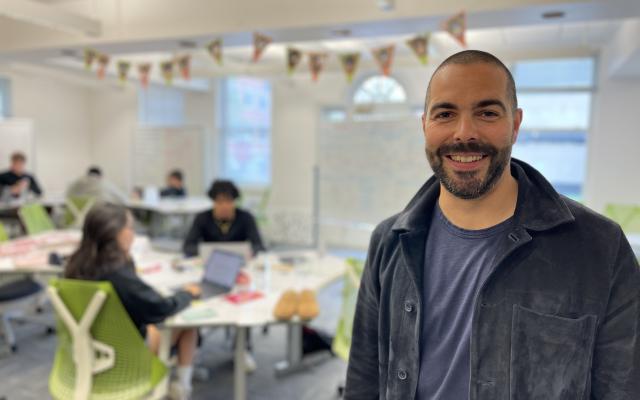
(222, 268)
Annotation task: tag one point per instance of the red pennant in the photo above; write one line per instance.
(260, 43)
(316, 64)
(384, 58)
(103, 62)
(144, 70)
(457, 26)
(184, 64)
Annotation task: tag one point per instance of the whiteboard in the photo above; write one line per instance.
(16, 135)
(158, 150)
(368, 171)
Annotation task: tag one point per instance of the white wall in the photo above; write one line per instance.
(59, 110)
(614, 142)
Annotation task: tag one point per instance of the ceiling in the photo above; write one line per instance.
(157, 30)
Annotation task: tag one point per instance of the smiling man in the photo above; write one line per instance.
(490, 285)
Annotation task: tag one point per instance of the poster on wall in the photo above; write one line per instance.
(384, 58)
(350, 63)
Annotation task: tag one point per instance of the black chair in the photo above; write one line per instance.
(14, 297)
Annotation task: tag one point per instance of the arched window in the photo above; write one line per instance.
(380, 89)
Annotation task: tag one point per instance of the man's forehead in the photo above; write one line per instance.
(469, 80)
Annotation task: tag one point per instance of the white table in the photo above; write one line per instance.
(315, 273)
(184, 209)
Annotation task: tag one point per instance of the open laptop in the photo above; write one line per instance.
(220, 272)
(243, 248)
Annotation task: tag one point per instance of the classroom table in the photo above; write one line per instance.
(165, 209)
(270, 277)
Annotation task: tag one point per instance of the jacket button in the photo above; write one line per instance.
(408, 307)
(402, 374)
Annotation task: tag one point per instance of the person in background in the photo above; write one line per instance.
(16, 182)
(175, 185)
(224, 223)
(103, 255)
(95, 186)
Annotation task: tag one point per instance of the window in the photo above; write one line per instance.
(161, 106)
(556, 98)
(5, 98)
(380, 89)
(245, 124)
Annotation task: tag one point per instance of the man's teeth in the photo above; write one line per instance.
(466, 159)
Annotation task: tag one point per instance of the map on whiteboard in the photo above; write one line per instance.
(369, 170)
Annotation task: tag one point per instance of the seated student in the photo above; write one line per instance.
(94, 185)
(16, 182)
(175, 185)
(224, 223)
(103, 255)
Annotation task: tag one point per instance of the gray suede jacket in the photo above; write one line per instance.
(557, 318)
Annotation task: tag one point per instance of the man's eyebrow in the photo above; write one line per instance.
(443, 104)
(490, 102)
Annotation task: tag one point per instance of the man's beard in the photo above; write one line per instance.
(468, 184)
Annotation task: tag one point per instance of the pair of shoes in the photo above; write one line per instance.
(178, 391)
(249, 362)
(291, 303)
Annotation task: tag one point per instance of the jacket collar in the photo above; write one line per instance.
(539, 206)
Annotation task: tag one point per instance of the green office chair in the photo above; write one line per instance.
(35, 219)
(77, 208)
(342, 340)
(4, 236)
(627, 215)
(100, 353)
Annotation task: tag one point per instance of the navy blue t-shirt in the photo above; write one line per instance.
(457, 261)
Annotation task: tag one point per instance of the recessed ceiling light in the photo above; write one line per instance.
(553, 14)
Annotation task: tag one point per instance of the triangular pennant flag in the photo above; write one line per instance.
(316, 64)
(90, 56)
(384, 58)
(184, 64)
(294, 56)
(123, 70)
(260, 42)
(457, 26)
(103, 62)
(215, 49)
(420, 47)
(167, 71)
(144, 70)
(350, 63)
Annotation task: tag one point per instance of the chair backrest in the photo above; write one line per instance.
(77, 208)
(342, 340)
(135, 371)
(627, 215)
(4, 236)
(35, 218)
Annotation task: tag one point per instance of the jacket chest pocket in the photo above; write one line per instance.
(550, 355)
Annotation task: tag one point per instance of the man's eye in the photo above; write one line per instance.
(489, 114)
(444, 115)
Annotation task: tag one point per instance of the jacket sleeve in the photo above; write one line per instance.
(616, 363)
(254, 235)
(144, 304)
(33, 185)
(363, 371)
(190, 245)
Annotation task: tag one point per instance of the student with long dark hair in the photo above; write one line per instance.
(103, 255)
